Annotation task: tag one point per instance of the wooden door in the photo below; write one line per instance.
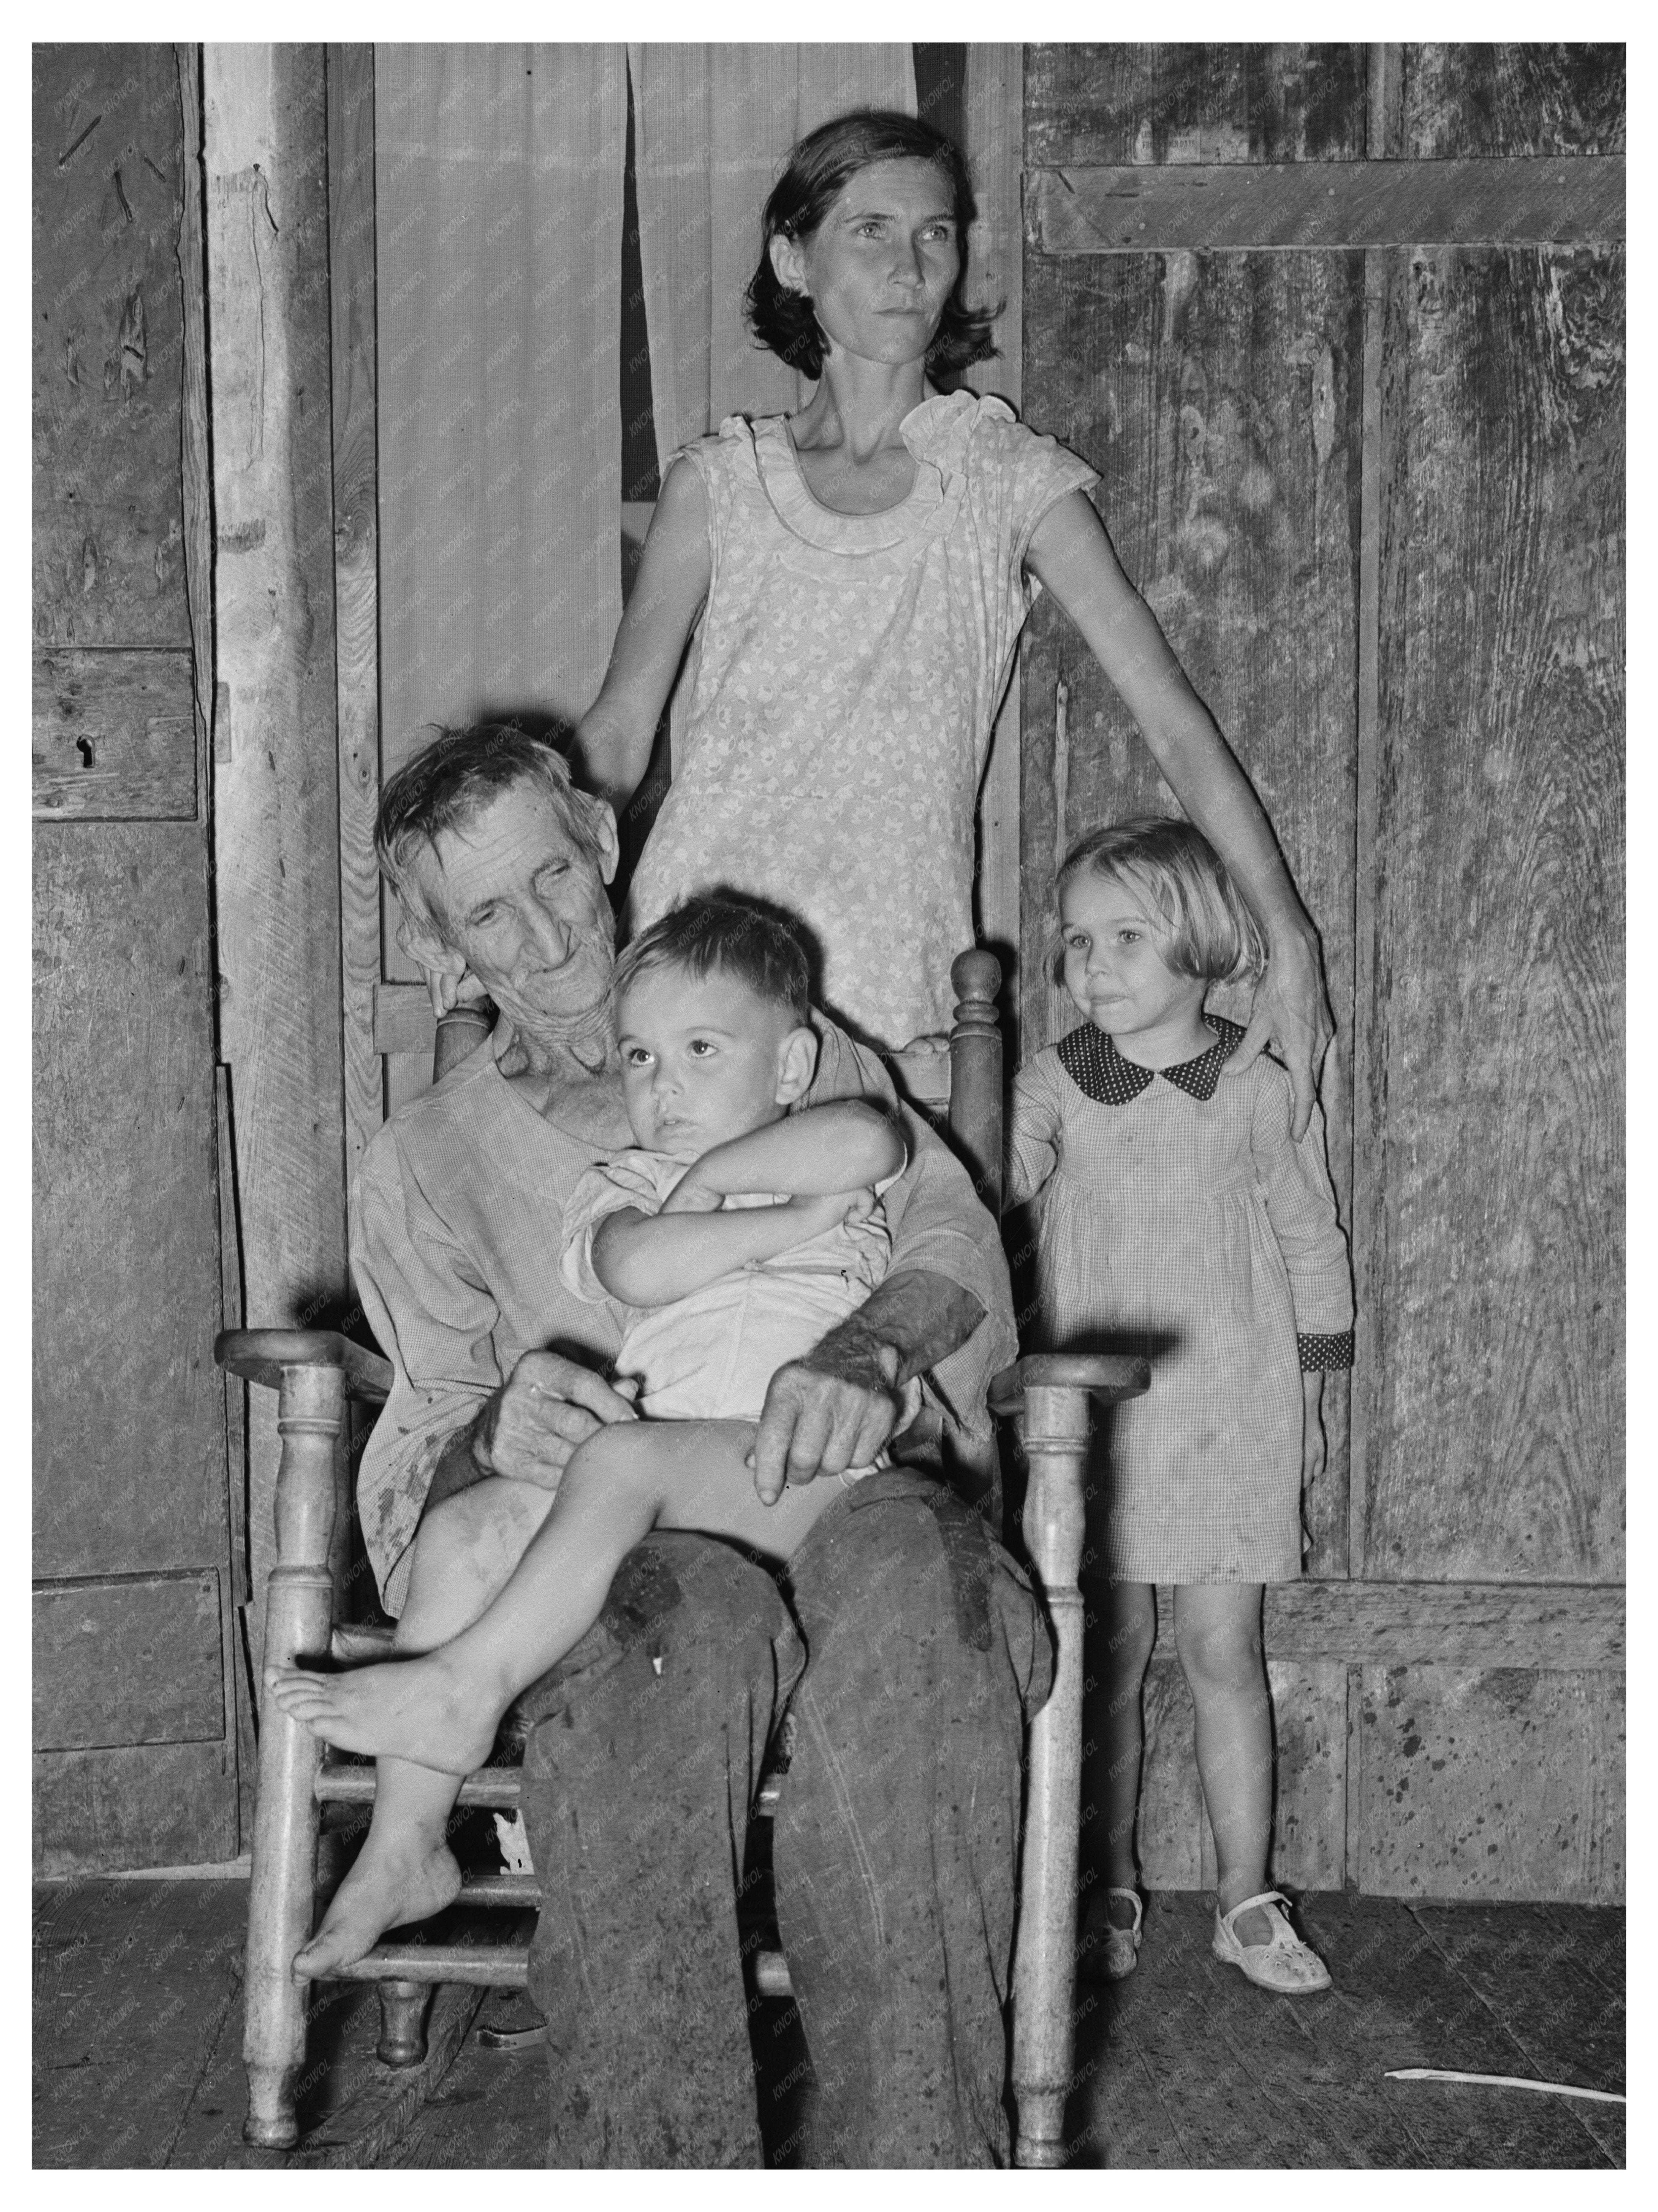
(1342, 329)
(134, 1608)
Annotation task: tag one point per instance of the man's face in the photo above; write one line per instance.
(525, 907)
(703, 1060)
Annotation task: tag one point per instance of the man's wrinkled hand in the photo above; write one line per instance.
(548, 1406)
(821, 1419)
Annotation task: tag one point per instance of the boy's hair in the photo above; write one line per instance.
(449, 783)
(824, 161)
(1208, 932)
(710, 935)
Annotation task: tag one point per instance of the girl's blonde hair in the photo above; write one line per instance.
(1207, 932)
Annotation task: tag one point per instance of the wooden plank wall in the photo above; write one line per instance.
(1373, 489)
(134, 1764)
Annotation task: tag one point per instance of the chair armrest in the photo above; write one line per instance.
(1108, 1376)
(259, 1355)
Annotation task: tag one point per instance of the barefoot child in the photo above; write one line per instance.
(1181, 1219)
(736, 1236)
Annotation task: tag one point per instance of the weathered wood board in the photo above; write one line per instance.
(1177, 103)
(135, 1660)
(151, 1804)
(1504, 1782)
(1511, 99)
(113, 737)
(129, 1456)
(276, 766)
(1492, 1313)
(106, 344)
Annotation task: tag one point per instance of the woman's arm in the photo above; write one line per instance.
(652, 1258)
(1071, 556)
(844, 1145)
(613, 742)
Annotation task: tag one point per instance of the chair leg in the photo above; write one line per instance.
(299, 1611)
(403, 2022)
(1055, 1427)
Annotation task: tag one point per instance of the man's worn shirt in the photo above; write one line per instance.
(456, 1225)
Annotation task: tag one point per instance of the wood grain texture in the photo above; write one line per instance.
(1218, 207)
(1220, 400)
(136, 1660)
(1180, 103)
(994, 146)
(1492, 1329)
(195, 458)
(107, 343)
(1497, 1782)
(160, 1804)
(1568, 1625)
(129, 1416)
(277, 777)
(356, 572)
(113, 737)
(1309, 1798)
(1513, 98)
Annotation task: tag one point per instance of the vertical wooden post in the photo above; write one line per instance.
(995, 152)
(298, 1612)
(975, 1072)
(276, 812)
(1054, 1426)
(1383, 133)
(352, 324)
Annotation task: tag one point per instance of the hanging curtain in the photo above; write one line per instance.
(498, 243)
(712, 125)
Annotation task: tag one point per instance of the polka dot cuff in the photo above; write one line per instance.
(1325, 1355)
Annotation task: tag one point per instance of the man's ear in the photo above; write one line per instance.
(610, 845)
(787, 264)
(419, 937)
(796, 1063)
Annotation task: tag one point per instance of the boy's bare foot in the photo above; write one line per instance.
(388, 1885)
(415, 1709)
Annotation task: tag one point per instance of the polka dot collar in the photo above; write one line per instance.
(1099, 1071)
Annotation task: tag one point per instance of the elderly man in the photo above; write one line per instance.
(904, 1657)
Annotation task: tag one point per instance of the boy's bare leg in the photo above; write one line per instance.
(442, 1709)
(466, 1549)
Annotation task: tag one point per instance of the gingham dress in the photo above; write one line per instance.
(1181, 1221)
(847, 670)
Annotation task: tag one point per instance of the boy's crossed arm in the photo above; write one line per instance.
(827, 1159)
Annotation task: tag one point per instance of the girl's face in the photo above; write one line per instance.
(880, 266)
(1115, 972)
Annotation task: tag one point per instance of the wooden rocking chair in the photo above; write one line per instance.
(316, 1372)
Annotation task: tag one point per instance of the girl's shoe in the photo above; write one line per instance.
(1115, 1951)
(1284, 1963)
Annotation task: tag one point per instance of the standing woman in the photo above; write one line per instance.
(862, 570)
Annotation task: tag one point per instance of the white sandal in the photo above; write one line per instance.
(1115, 1950)
(1285, 1964)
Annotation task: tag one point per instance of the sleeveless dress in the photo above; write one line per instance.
(1182, 1221)
(848, 671)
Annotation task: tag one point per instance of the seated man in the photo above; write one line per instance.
(905, 1656)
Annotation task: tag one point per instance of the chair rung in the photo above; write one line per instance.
(771, 1974)
(498, 1891)
(485, 1965)
(499, 1786)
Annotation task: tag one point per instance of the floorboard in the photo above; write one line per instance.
(138, 2046)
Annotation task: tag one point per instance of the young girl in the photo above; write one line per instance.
(857, 575)
(1182, 1220)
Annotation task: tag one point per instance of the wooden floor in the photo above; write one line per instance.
(137, 2034)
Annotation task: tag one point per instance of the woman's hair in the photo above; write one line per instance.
(819, 166)
(450, 782)
(1207, 932)
(710, 935)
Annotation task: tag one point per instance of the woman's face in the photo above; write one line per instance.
(880, 266)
